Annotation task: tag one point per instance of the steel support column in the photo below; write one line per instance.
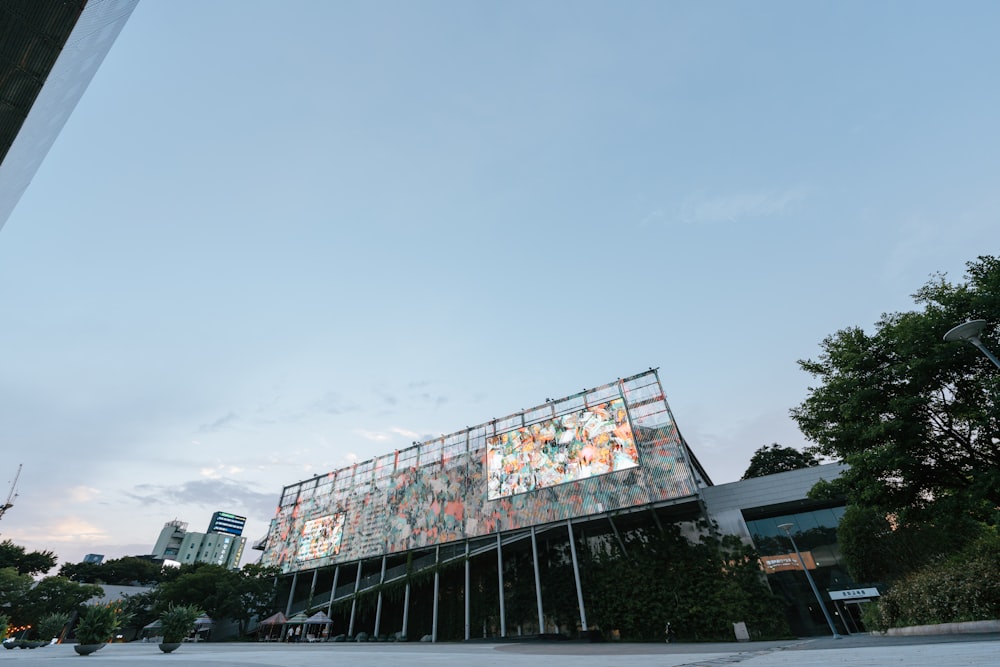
(312, 589)
(291, 594)
(576, 575)
(437, 590)
(354, 601)
(378, 605)
(406, 610)
(468, 618)
(538, 583)
(333, 591)
(503, 611)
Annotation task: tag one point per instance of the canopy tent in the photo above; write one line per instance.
(319, 618)
(203, 628)
(275, 619)
(323, 631)
(151, 630)
(269, 629)
(294, 634)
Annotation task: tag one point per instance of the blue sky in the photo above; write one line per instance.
(276, 239)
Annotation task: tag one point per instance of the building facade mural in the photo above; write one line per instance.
(605, 449)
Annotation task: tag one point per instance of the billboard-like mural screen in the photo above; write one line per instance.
(321, 537)
(605, 449)
(580, 444)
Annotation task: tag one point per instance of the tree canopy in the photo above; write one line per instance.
(774, 458)
(220, 592)
(126, 571)
(25, 562)
(916, 418)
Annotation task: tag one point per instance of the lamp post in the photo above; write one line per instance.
(787, 527)
(969, 332)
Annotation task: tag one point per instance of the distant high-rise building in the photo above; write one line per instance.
(176, 543)
(224, 522)
(96, 559)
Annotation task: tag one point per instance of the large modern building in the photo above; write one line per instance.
(369, 543)
(177, 544)
(49, 52)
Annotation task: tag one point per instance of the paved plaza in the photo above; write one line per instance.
(856, 651)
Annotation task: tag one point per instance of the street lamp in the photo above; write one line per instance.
(970, 332)
(787, 527)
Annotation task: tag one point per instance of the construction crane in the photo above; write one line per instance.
(13, 494)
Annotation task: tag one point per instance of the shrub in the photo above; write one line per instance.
(51, 625)
(965, 587)
(98, 624)
(177, 621)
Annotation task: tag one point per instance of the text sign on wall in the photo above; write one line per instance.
(854, 594)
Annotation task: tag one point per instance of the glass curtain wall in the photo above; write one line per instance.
(815, 533)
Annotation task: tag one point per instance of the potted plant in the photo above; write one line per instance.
(175, 624)
(97, 626)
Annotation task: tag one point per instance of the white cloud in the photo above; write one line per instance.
(375, 436)
(83, 494)
(62, 530)
(404, 432)
(651, 217)
(220, 470)
(702, 208)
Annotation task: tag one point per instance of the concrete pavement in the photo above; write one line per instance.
(856, 651)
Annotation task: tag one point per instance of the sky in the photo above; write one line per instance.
(276, 239)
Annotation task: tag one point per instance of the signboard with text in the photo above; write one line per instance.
(785, 562)
(858, 594)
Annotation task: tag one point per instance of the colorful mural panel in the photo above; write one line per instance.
(575, 446)
(321, 537)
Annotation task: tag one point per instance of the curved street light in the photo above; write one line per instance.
(787, 527)
(969, 332)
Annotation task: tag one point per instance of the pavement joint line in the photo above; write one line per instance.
(743, 655)
(731, 659)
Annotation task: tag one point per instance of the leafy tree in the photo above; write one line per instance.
(137, 610)
(222, 593)
(55, 595)
(34, 562)
(210, 587)
(774, 458)
(916, 418)
(126, 571)
(257, 593)
(84, 573)
(13, 589)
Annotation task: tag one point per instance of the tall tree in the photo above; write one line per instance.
(14, 586)
(915, 417)
(25, 562)
(774, 458)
